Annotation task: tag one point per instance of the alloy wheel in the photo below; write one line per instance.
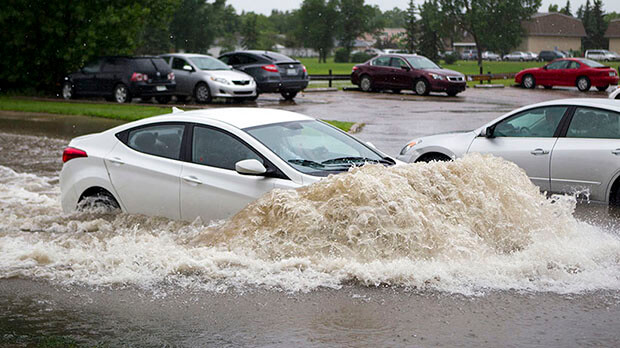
(528, 82)
(67, 90)
(202, 93)
(120, 94)
(420, 87)
(365, 84)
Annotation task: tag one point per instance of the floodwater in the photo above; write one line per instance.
(465, 253)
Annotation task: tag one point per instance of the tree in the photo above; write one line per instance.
(318, 19)
(410, 27)
(494, 24)
(566, 9)
(430, 23)
(594, 22)
(553, 8)
(353, 17)
(155, 36)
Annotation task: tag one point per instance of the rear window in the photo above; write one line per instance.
(143, 64)
(591, 63)
(160, 64)
(276, 57)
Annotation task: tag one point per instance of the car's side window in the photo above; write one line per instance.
(538, 122)
(561, 64)
(225, 59)
(245, 59)
(381, 61)
(93, 67)
(218, 149)
(178, 63)
(113, 65)
(573, 65)
(594, 123)
(160, 140)
(398, 63)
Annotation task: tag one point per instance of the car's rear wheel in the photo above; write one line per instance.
(67, 91)
(421, 87)
(602, 88)
(98, 199)
(163, 99)
(366, 83)
(289, 95)
(434, 156)
(583, 83)
(202, 93)
(528, 81)
(121, 94)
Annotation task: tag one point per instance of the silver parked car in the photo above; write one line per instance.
(518, 56)
(564, 146)
(204, 77)
(602, 55)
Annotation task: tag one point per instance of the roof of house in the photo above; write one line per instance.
(553, 24)
(613, 30)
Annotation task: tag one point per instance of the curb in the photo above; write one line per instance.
(489, 86)
(320, 89)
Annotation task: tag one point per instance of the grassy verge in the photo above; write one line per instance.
(107, 110)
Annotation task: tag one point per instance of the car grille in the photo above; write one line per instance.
(243, 92)
(456, 78)
(241, 82)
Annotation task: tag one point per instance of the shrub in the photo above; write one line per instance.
(450, 58)
(360, 57)
(341, 56)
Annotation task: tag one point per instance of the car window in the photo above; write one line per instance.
(209, 63)
(160, 140)
(113, 64)
(93, 67)
(218, 149)
(381, 61)
(398, 63)
(160, 64)
(539, 122)
(226, 59)
(591, 63)
(594, 123)
(143, 65)
(246, 59)
(561, 64)
(178, 63)
(573, 65)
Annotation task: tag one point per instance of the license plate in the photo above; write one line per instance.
(291, 71)
(160, 88)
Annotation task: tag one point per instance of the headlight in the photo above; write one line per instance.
(220, 80)
(437, 77)
(409, 146)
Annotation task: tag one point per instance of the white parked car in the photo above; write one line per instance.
(204, 77)
(207, 163)
(533, 56)
(603, 55)
(564, 146)
(488, 55)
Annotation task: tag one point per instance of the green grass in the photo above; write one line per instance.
(463, 66)
(116, 111)
(345, 126)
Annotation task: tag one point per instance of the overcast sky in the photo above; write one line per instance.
(265, 6)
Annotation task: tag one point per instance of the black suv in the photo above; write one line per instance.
(547, 56)
(122, 78)
(273, 72)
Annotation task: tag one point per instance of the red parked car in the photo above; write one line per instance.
(580, 72)
(406, 71)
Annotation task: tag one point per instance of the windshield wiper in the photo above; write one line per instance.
(306, 163)
(353, 159)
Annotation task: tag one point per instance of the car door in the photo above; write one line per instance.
(400, 76)
(110, 74)
(85, 82)
(527, 139)
(145, 167)
(588, 156)
(183, 76)
(380, 71)
(210, 186)
(570, 73)
(550, 75)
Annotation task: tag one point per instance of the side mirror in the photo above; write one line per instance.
(187, 67)
(487, 132)
(406, 68)
(250, 167)
(230, 66)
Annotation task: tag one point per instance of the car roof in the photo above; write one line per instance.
(236, 117)
(186, 55)
(275, 56)
(606, 103)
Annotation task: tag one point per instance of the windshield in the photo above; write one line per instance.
(315, 148)
(209, 63)
(422, 63)
(591, 63)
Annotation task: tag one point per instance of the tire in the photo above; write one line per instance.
(121, 94)
(252, 98)
(452, 93)
(289, 95)
(429, 157)
(602, 88)
(421, 87)
(68, 91)
(396, 91)
(583, 83)
(99, 200)
(520, 59)
(548, 87)
(202, 93)
(366, 83)
(528, 81)
(163, 99)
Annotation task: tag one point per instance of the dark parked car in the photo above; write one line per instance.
(547, 56)
(120, 79)
(406, 71)
(273, 72)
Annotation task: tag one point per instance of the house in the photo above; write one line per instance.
(613, 34)
(552, 31)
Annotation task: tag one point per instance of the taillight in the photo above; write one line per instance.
(171, 76)
(270, 68)
(304, 67)
(71, 153)
(139, 77)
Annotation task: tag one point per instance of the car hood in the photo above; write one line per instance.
(443, 72)
(530, 70)
(228, 74)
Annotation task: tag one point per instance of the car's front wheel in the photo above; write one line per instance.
(121, 94)
(67, 91)
(602, 88)
(202, 94)
(528, 81)
(366, 83)
(422, 87)
(583, 84)
(289, 95)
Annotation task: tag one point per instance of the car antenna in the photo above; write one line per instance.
(176, 110)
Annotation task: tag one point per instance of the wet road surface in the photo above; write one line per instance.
(353, 315)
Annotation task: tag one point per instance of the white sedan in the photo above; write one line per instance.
(564, 146)
(205, 163)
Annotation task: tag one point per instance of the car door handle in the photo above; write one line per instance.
(192, 180)
(616, 152)
(537, 152)
(116, 161)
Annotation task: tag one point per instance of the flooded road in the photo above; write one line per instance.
(500, 273)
